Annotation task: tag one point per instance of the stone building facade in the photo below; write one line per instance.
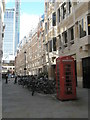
(65, 31)
(67, 26)
(30, 59)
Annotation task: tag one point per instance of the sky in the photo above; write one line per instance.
(29, 16)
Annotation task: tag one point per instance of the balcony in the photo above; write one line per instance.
(84, 41)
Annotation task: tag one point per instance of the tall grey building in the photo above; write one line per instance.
(9, 38)
(17, 24)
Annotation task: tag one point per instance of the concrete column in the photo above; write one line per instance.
(79, 73)
(58, 45)
(68, 38)
(76, 30)
(62, 43)
(50, 73)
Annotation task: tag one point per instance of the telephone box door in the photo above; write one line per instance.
(69, 80)
(65, 78)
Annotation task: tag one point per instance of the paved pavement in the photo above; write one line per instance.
(18, 103)
(0, 99)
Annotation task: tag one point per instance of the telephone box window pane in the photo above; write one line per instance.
(68, 78)
(69, 90)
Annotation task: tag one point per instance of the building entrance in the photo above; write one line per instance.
(76, 72)
(86, 72)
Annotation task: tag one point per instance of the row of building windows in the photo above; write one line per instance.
(51, 45)
(84, 28)
(9, 15)
(61, 14)
(62, 11)
(36, 63)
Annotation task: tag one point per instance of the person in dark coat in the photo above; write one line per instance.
(15, 80)
(6, 78)
(33, 86)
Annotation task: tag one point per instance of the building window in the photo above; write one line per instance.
(79, 1)
(71, 33)
(65, 34)
(50, 46)
(60, 42)
(54, 44)
(53, 1)
(45, 28)
(70, 7)
(88, 18)
(65, 38)
(7, 14)
(47, 47)
(82, 27)
(54, 19)
(58, 15)
(12, 14)
(64, 10)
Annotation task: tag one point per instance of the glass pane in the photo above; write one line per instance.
(88, 25)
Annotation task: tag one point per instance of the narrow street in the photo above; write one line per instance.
(18, 103)
(0, 99)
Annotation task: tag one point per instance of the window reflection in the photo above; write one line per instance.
(88, 18)
(82, 27)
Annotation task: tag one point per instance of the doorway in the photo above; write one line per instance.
(76, 71)
(86, 72)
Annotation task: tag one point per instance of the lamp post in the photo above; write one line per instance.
(25, 63)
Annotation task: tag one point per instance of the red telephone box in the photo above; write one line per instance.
(65, 78)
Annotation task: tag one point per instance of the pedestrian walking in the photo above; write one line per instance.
(6, 78)
(15, 79)
(33, 86)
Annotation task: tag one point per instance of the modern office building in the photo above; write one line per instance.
(9, 38)
(17, 23)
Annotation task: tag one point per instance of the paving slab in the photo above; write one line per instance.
(17, 102)
(0, 99)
